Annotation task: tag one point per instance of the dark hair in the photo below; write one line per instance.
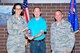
(36, 7)
(13, 12)
(33, 10)
(56, 11)
(59, 11)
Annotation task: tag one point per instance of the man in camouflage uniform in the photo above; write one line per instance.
(62, 37)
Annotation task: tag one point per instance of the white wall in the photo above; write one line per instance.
(51, 1)
(11, 1)
(38, 1)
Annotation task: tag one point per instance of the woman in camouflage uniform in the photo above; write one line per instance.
(15, 25)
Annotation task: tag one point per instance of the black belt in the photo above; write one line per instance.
(38, 40)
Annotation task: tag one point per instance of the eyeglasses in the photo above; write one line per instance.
(18, 9)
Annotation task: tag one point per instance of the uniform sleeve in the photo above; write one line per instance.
(71, 37)
(10, 28)
(51, 38)
(25, 23)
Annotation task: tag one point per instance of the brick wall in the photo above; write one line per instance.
(48, 14)
(3, 38)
